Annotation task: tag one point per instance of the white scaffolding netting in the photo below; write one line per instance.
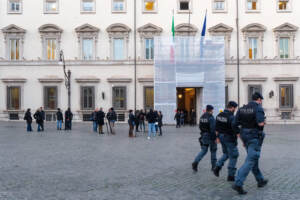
(196, 62)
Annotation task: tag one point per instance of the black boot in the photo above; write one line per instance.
(239, 189)
(262, 183)
(195, 166)
(230, 179)
(217, 171)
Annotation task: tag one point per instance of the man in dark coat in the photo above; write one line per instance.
(39, 119)
(28, 119)
(68, 119)
(100, 120)
(112, 118)
(177, 118)
(59, 118)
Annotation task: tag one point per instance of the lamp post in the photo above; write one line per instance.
(67, 76)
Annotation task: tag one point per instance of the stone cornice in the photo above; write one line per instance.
(119, 80)
(14, 80)
(51, 80)
(229, 79)
(87, 80)
(286, 78)
(143, 80)
(254, 78)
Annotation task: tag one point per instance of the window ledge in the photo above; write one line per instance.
(286, 78)
(219, 11)
(118, 12)
(87, 12)
(14, 111)
(252, 11)
(286, 109)
(14, 13)
(150, 12)
(284, 11)
(50, 12)
(184, 11)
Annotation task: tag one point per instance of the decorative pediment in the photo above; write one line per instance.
(220, 28)
(50, 28)
(87, 28)
(150, 28)
(255, 27)
(185, 29)
(13, 29)
(118, 28)
(286, 27)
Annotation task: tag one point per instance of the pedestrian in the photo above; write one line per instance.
(207, 139)
(193, 117)
(151, 123)
(182, 117)
(251, 118)
(59, 118)
(28, 119)
(177, 118)
(68, 119)
(137, 121)
(100, 120)
(160, 123)
(94, 120)
(142, 120)
(227, 135)
(43, 118)
(131, 123)
(111, 118)
(39, 119)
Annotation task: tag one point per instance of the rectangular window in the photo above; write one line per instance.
(87, 98)
(88, 5)
(51, 6)
(219, 5)
(149, 45)
(50, 98)
(118, 49)
(51, 49)
(13, 98)
(284, 48)
(148, 98)
(252, 4)
(252, 48)
(14, 49)
(184, 5)
(283, 4)
(14, 6)
(119, 98)
(118, 5)
(87, 49)
(149, 5)
(286, 98)
(252, 89)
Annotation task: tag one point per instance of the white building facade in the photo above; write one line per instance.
(97, 38)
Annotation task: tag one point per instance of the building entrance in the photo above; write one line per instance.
(187, 101)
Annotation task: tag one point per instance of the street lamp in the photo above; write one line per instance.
(67, 76)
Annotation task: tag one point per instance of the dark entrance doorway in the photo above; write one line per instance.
(186, 101)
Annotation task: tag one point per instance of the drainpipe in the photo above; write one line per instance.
(134, 33)
(238, 49)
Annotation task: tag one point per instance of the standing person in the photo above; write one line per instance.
(182, 117)
(100, 120)
(94, 120)
(160, 123)
(251, 118)
(207, 139)
(228, 137)
(137, 121)
(142, 120)
(59, 118)
(43, 118)
(151, 123)
(68, 119)
(28, 119)
(156, 121)
(39, 119)
(112, 118)
(193, 117)
(131, 121)
(177, 118)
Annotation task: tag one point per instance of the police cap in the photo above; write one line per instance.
(209, 108)
(257, 96)
(232, 104)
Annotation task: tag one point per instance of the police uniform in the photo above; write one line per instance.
(207, 139)
(228, 139)
(248, 117)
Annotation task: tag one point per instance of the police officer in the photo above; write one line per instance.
(228, 139)
(208, 138)
(251, 118)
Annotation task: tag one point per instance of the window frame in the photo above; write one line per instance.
(93, 48)
(257, 48)
(149, 11)
(82, 97)
(46, 97)
(9, 11)
(114, 96)
(87, 11)
(214, 10)
(257, 10)
(145, 88)
(119, 11)
(291, 97)
(288, 9)
(49, 11)
(46, 49)
(10, 49)
(289, 48)
(190, 10)
(8, 97)
(256, 86)
(114, 55)
(145, 48)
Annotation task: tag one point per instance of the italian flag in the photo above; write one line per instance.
(172, 51)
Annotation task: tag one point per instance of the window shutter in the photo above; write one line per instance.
(81, 97)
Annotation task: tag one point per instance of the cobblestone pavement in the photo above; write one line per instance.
(83, 165)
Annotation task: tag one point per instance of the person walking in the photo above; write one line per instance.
(207, 139)
(177, 118)
(68, 119)
(228, 138)
(251, 118)
(39, 119)
(160, 123)
(100, 120)
(43, 118)
(142, 120)
(94, 120)
(151, 123)
(131, 120)
(111, 118)
(28, 119)
(59, 118)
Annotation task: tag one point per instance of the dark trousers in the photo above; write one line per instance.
(131, 127)
(177, 123)
(42, 125)
(160, 131)
(29, 128)
(137, 126)
(68, 125)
